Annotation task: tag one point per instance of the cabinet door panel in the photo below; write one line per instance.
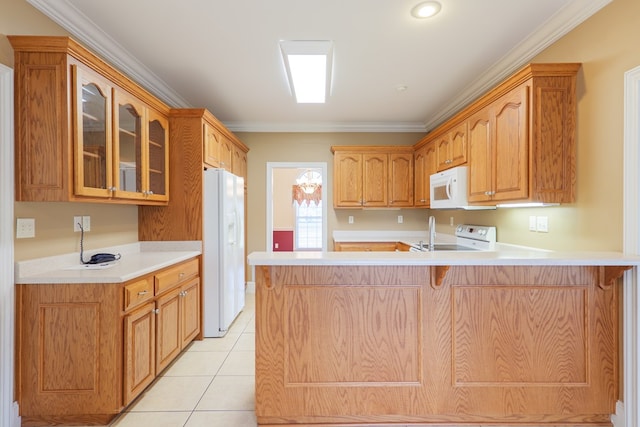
(93, 125)
(511, 169)
(420, 181)
(211, 145)
(190, 314)
(458, 151)
(480, 156)
(139, 351)
(347, 180)
(168, 331)
(129, 116)
(374, 180)
(401, 179)
(156, 183)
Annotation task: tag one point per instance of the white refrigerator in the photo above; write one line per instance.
(223, 251)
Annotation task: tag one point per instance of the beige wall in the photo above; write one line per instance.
(283, 213)
(606, 44)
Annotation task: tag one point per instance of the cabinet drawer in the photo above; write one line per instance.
(137, 292)
(174, 275)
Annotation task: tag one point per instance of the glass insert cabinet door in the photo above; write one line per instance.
(129, 117)
(93, 127)
(158, 156)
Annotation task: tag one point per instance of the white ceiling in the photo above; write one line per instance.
(224, 55)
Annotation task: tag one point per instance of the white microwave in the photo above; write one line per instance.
(448, 189)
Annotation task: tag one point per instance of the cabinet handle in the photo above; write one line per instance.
(181, 275)
(143, 292)
(112, 189)
(156, 311)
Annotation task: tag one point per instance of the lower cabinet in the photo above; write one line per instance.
(85, 351)
(482, 345)
(365, 246)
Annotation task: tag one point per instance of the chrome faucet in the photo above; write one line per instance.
(432, 232)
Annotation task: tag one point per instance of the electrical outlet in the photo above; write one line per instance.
(85, 221)
(533, 224)
(542, 224)
(350, 219)
(25, 228)
(400, 219)
(451, 221)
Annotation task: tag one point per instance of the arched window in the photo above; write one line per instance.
(307, 201)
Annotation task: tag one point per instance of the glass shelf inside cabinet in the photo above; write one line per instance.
(94, 136)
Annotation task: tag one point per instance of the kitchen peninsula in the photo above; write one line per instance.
(396, 338)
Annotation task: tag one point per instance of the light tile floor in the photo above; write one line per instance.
(210, 384)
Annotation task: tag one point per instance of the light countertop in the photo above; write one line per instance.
(137, 260)
(511, 257)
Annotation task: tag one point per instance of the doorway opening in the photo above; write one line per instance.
(296, 206)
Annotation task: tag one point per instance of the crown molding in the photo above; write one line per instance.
(365, 127)
(565, 20)
(85, 31)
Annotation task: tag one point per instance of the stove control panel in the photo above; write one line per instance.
(476, 232)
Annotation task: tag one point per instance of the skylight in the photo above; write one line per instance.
(308, 65)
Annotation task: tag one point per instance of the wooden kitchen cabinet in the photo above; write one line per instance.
(70, 130)
(85, 351)
(520, 138)
(140, 351)
(365, 246)
(498, 145)
(372, 177)
(436, 345)
(451, 148)
(425, 165)
(220, 151)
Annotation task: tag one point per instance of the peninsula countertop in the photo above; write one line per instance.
(513, 256)
(137, 260)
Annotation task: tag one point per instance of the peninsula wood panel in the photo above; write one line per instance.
(498, 345)
(371, 335)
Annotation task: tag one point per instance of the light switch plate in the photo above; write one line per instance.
(542, 224)
(350, 219)
(400, 219)
(533, 224)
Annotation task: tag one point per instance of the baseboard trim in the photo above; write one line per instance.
(618, 419)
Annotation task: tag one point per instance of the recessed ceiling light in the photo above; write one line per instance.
(308, 65)
(426, 9)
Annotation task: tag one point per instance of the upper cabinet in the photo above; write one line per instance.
(451, 147)
(372, 177)
(85, 132)
(522, 138)
(518, 139)
(425, 165)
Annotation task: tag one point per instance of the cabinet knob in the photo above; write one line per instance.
(156, 311)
